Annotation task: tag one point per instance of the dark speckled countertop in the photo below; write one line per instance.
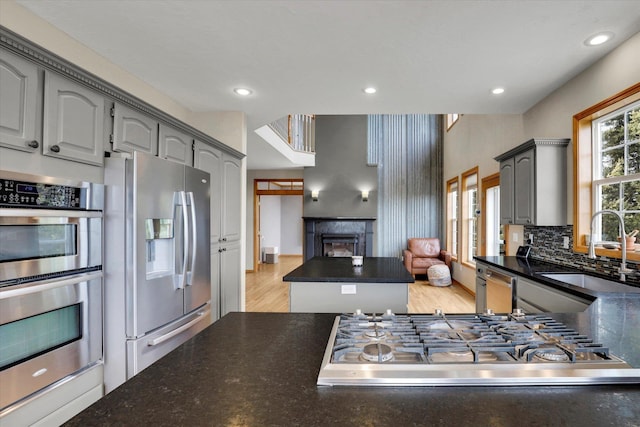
(340, 269)
(260, 369)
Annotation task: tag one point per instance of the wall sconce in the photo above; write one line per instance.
(314, 195)
(365, 196)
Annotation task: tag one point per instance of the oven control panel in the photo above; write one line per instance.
(14, 193)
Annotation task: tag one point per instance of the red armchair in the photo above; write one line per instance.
(422, 253)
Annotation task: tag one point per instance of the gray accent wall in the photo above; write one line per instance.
(398, 158)
(341, 171)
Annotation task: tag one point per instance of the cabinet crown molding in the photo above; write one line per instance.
(533, 142)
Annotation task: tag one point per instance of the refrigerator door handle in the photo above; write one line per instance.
(182, 277)
(194, 237)
(159, 340)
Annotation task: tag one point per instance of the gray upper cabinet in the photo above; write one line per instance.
(533, 183)
(73, 123)
(231, 192)
(226, 193)
(507, 192)
(209, 159)
(19, 90)
(133, 131)
(175, 145)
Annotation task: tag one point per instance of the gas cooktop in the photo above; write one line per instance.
(466, 349)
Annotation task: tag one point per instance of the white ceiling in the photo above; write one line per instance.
(305, 56)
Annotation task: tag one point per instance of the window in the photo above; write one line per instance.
(469, 217)
(451, 120)
(607, 168)
(452, 217)
(493, 231)
(616, 169)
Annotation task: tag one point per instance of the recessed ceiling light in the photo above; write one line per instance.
(242, 91)
(598, 39)
(497, 91)
(370, 90)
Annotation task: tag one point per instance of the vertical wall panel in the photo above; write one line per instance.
(409, 178)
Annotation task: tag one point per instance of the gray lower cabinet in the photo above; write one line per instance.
(535, 297)
(229, 278)
(342, 297)
(73, 121)
(226, 196)
(533, 188)
(133, 131)
(175, 145)
(20, 105)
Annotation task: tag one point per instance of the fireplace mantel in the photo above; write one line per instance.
(315, 227)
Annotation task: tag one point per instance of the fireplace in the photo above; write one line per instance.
(339, 245)
(338, 236)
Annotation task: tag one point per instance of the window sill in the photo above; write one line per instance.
(610, 253)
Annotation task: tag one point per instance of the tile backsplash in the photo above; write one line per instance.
(548, 246)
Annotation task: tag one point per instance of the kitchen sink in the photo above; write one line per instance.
(590, 282)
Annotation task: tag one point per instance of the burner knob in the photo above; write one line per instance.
(518, 312)
(358, 312)
(488, 312)
(438, 312)
(389, 312)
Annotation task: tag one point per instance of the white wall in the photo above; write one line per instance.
(270, 214)
(476, 139)
(291, 225)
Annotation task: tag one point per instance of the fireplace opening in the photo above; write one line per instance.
(339, 245)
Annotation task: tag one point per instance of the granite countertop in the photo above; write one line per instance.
(533, 269)
(260, 369)
(339, 269)
(612, 318)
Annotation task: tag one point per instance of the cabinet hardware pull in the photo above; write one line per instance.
(33, 144)
(55, 148)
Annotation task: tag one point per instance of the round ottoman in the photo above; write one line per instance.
(439, 275)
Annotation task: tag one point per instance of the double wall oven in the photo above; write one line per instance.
(50, 283)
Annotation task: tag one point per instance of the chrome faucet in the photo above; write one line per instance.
(623, 270)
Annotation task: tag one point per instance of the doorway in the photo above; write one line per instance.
(277, 217)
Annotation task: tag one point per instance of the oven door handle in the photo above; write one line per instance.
(48, 213)
(44, 285)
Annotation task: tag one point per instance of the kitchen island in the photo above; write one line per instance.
(260, 369)
(327, 284)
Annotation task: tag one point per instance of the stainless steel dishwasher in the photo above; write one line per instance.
(494, 290)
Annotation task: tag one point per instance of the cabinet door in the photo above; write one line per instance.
(209, 159)
(524, 182)
(231, 199)
(506, 191)
(175, 145)
(73, 121)
(133, 131)
(229, 278)
(18, 103)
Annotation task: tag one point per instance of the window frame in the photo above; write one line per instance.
(453, 231)
(583, 202)
(467, 218)
(452, 119)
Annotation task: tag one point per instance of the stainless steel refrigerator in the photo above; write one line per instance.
(157, 261)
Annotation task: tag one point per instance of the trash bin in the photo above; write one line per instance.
(271, 254)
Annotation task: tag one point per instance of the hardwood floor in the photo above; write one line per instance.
(266, 291)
